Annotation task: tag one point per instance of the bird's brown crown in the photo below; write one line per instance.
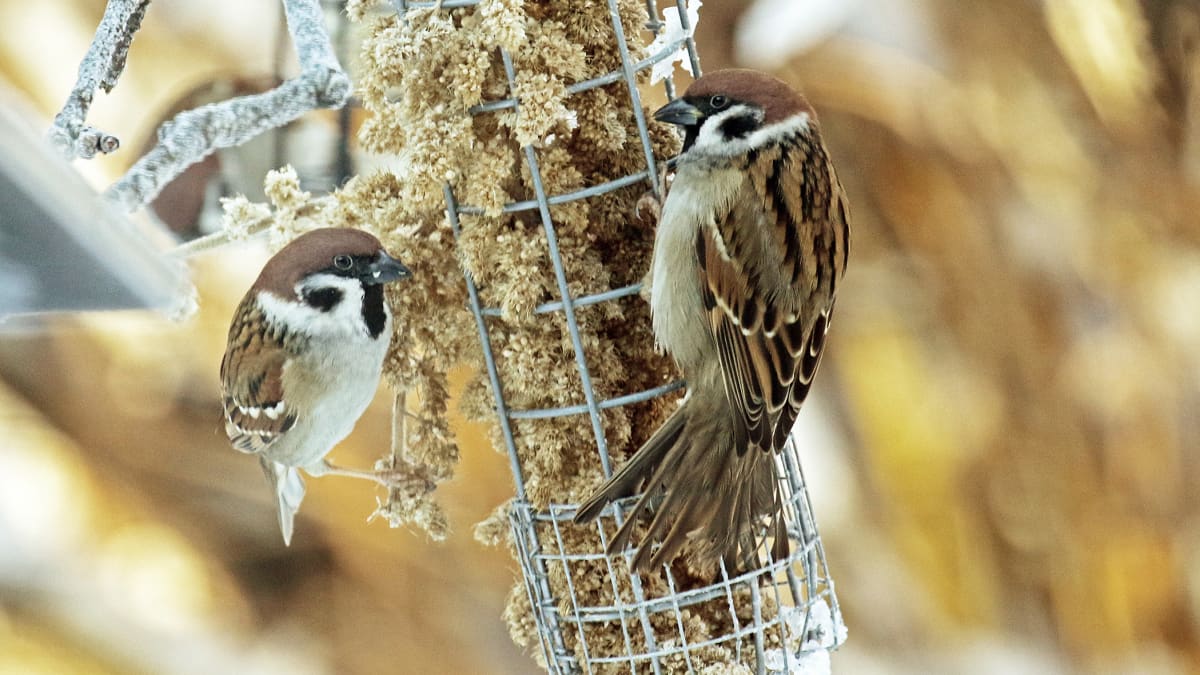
(777, 99)
(311, 252)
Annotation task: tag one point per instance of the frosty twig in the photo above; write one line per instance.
(193, 134)
(101, 67)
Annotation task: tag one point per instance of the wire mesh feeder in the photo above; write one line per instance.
(803, 615)
(768, 620)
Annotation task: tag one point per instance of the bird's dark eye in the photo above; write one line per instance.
(343, 262)
(718, 102)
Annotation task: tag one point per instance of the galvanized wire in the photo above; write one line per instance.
(798, 582)
(777, 577)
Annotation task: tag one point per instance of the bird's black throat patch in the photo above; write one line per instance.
(690, 134)
(323, 299)
(372, 309)
(739, 126)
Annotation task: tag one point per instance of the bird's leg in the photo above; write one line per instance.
(387, 477)
(325, 468)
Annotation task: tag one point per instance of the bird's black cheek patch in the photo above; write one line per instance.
(739, 126)
(323, 299)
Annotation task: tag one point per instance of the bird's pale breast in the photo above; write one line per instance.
(340, 385)
(680, 322)
(332, 381)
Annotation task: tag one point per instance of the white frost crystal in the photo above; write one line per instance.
(825, 631)
(671, 33)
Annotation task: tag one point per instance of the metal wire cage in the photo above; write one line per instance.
(773, 615)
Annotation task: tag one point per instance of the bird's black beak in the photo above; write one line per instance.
(383, 269)
(679, 112)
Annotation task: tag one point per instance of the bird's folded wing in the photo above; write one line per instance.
(756, 288)
(256, 412)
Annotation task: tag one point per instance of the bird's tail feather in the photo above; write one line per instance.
(625, 481)
(700, 490)
(288, 487)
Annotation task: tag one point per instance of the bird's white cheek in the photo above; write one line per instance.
(343, 320)
(712, 143)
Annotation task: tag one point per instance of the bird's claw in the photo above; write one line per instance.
(649, 205)
(400, 479)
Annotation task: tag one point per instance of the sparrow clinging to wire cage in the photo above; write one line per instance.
(751, 244)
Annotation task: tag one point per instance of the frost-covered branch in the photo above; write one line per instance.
(194, 134)
(101, 67)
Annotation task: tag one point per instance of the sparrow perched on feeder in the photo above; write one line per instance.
(752, 241)
(304, 357)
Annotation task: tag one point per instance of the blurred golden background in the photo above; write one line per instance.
(1002, 449)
